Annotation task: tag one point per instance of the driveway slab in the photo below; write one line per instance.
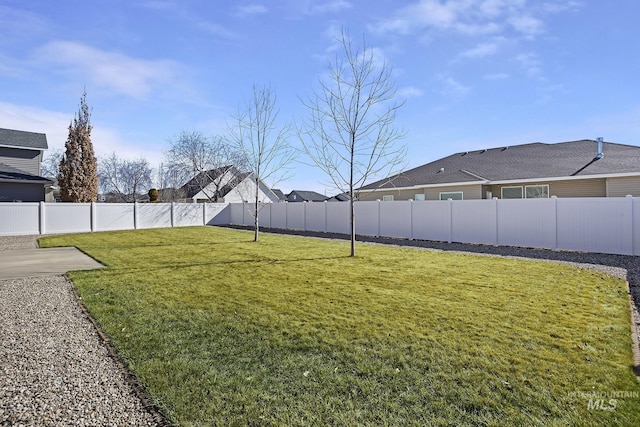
(15, 264)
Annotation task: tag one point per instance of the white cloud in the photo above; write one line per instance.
(481, 50)
(530, 63)
(319, 7)
(251, 9)
(108, 70)
(451, 88)
(410, 92)
(55, 125)
(528, 26)
(496, 76)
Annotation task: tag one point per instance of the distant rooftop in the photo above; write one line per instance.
(22, 139)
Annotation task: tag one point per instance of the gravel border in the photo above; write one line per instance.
(56, 366)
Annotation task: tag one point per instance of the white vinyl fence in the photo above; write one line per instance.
(603, 225)
(54, 218)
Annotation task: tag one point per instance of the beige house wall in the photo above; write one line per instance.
(569, 188)
(620, 187)
(470, 192)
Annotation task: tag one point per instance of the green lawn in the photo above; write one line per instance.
(290, 331)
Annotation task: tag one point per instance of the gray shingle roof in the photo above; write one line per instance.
(309, 196)
(8, 173)
(21, 139)
(528, 161)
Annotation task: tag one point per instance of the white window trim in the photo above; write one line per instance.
(512, 186)
(387, 198)
(420, 197)
(536, 185)
(451, 192)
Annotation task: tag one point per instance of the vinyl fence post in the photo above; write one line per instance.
(497, 240)
(204, 214)
(411, 222)
(632, 230)
(325, 215)
(93, 217)
(555, 223)
(450, 201)
(379, 220)
(43, 218)
(135, 215)
(173, 218)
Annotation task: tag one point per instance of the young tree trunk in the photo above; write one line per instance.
(256, 211)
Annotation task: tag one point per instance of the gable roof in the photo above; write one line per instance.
(520, 162)
(200, 181)
(22, 139)
(309, 196)
(279, 194)
(9, 173)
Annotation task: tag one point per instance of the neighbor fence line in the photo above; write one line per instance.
(604, 225)
(56, 218)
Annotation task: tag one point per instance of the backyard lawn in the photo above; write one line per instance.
(290, 331)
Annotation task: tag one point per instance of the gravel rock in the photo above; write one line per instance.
(54, 368)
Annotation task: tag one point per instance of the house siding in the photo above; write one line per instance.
(620, 187)
(570, 188)
(25, 160)
(11, 192)
(470, 192)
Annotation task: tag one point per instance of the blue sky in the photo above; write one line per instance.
(475, 73)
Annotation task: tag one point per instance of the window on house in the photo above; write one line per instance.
(511, 192)
(453, 195)
(536, 191)
(388, 198)
(419, 197)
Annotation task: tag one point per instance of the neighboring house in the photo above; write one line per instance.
(584, 168)
(305, 196)
(226, 184)
(342, 197)
(279, 194)
(20, 158)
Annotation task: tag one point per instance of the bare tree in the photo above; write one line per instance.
(349, 133)
(170, 178)
(51, 164)
(263, 143)
(205, 160)
(126, 178)
(78, 171)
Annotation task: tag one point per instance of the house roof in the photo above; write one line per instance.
(520, 162)
(200, 181)
(22, 139)
(279, 194)
(9, 173)
(309, 196)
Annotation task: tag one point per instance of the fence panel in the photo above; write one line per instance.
(316, 216)
(237, 213)
(432, 220)
(154, 215)
(595, 225)
(218, 214)
(114, 216)
(527, 223)
(19, 219)
(279, 215)
(295, 215)
(473, 221)
(395, 219)
(338, 218)
(67, 218)
(367, 218)
(187, 214)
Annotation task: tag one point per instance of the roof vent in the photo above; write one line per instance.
(599, 141)
(505, 148)
(441, 170)
(483, 151)
(465, 153)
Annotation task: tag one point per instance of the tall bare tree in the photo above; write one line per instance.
(78, 172)
(126, 178)
(349, 133)
(263, 143)
(204, 160)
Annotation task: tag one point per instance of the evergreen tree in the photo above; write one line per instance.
(78, 174)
